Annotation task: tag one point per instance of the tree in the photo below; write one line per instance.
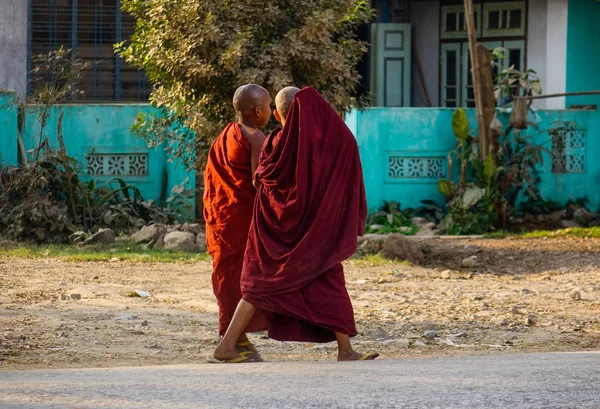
(197, 52)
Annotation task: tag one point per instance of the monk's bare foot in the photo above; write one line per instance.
(356, 356)
(222, 353)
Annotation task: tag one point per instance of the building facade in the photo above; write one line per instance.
(559, 39)
(90, 28)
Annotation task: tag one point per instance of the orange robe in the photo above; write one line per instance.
(228, 204)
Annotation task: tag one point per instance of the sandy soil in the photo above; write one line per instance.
(521, 295)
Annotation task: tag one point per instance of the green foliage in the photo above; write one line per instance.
(520, 158)
(460, 125)
(391, 219)
(445, 188)
(472, 196)
(490, 195)
(535, 206)
(46, 91)
(429, 210)
(197, 52)
(512, 82)
(466, 221)
(168, 131)
(46, 201)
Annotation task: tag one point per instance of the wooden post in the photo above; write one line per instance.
(488, 107)
(475, 72)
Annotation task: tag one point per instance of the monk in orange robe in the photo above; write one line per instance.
(228, 202)
(309, 210)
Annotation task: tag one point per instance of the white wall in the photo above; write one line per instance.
(13, 45)
(425, 20)
(537, 28)
(555, 79)
(546, 48)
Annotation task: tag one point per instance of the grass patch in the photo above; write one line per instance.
(123, 251)
(577, 232)
(374, 260)
(501, 234)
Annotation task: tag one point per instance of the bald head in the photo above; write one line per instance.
(284, 100)
(250, 101)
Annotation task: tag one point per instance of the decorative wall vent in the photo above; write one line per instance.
(401, 167)
(568, 151)
(124, 164)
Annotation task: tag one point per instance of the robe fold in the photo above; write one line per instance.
(309, 210)
(228, 203)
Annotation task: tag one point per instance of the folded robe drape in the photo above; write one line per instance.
(309, 210)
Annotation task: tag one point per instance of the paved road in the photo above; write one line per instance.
(565, 380)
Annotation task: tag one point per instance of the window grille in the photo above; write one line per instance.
(90, 28)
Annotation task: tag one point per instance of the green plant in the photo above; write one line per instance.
(45, 200)
(197, 52)
(167, 130)
(538, 205)
(511, 82)
(465, 221)
(488, 191)
(58, 85)
(466, 200)
(429, 210)
(520, 157)
(391, 219)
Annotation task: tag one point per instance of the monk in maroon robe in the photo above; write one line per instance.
(309, 209)
(228, 202)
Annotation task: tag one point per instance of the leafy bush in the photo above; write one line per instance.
(391, 219)
(487, 193)
(46, 201)
(197, 52)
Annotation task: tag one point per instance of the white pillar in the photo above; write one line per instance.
(556, 52)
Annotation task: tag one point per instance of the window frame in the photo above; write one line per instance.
(97, 91)
(500, 7)
(460, 34)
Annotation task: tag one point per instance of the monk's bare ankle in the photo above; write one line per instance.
(223, 351)
(348, 355)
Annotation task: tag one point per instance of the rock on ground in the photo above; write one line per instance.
(103, 236)
(398, 247)
(370, 243)
(201, 242)
(181, 241)
(582, 215)
(149, 233)
(566, 224)
(192, 228)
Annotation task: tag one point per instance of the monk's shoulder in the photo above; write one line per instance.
(255, 138)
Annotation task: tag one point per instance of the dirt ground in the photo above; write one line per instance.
(520, 295)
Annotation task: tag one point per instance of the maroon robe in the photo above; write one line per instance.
(309, 209)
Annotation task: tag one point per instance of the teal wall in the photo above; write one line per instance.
(427, 133)
(104, 129)
(8, 127)
(583, 51)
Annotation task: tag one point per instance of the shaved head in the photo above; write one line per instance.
(252, 104)
(284, 100)
(247, 97)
